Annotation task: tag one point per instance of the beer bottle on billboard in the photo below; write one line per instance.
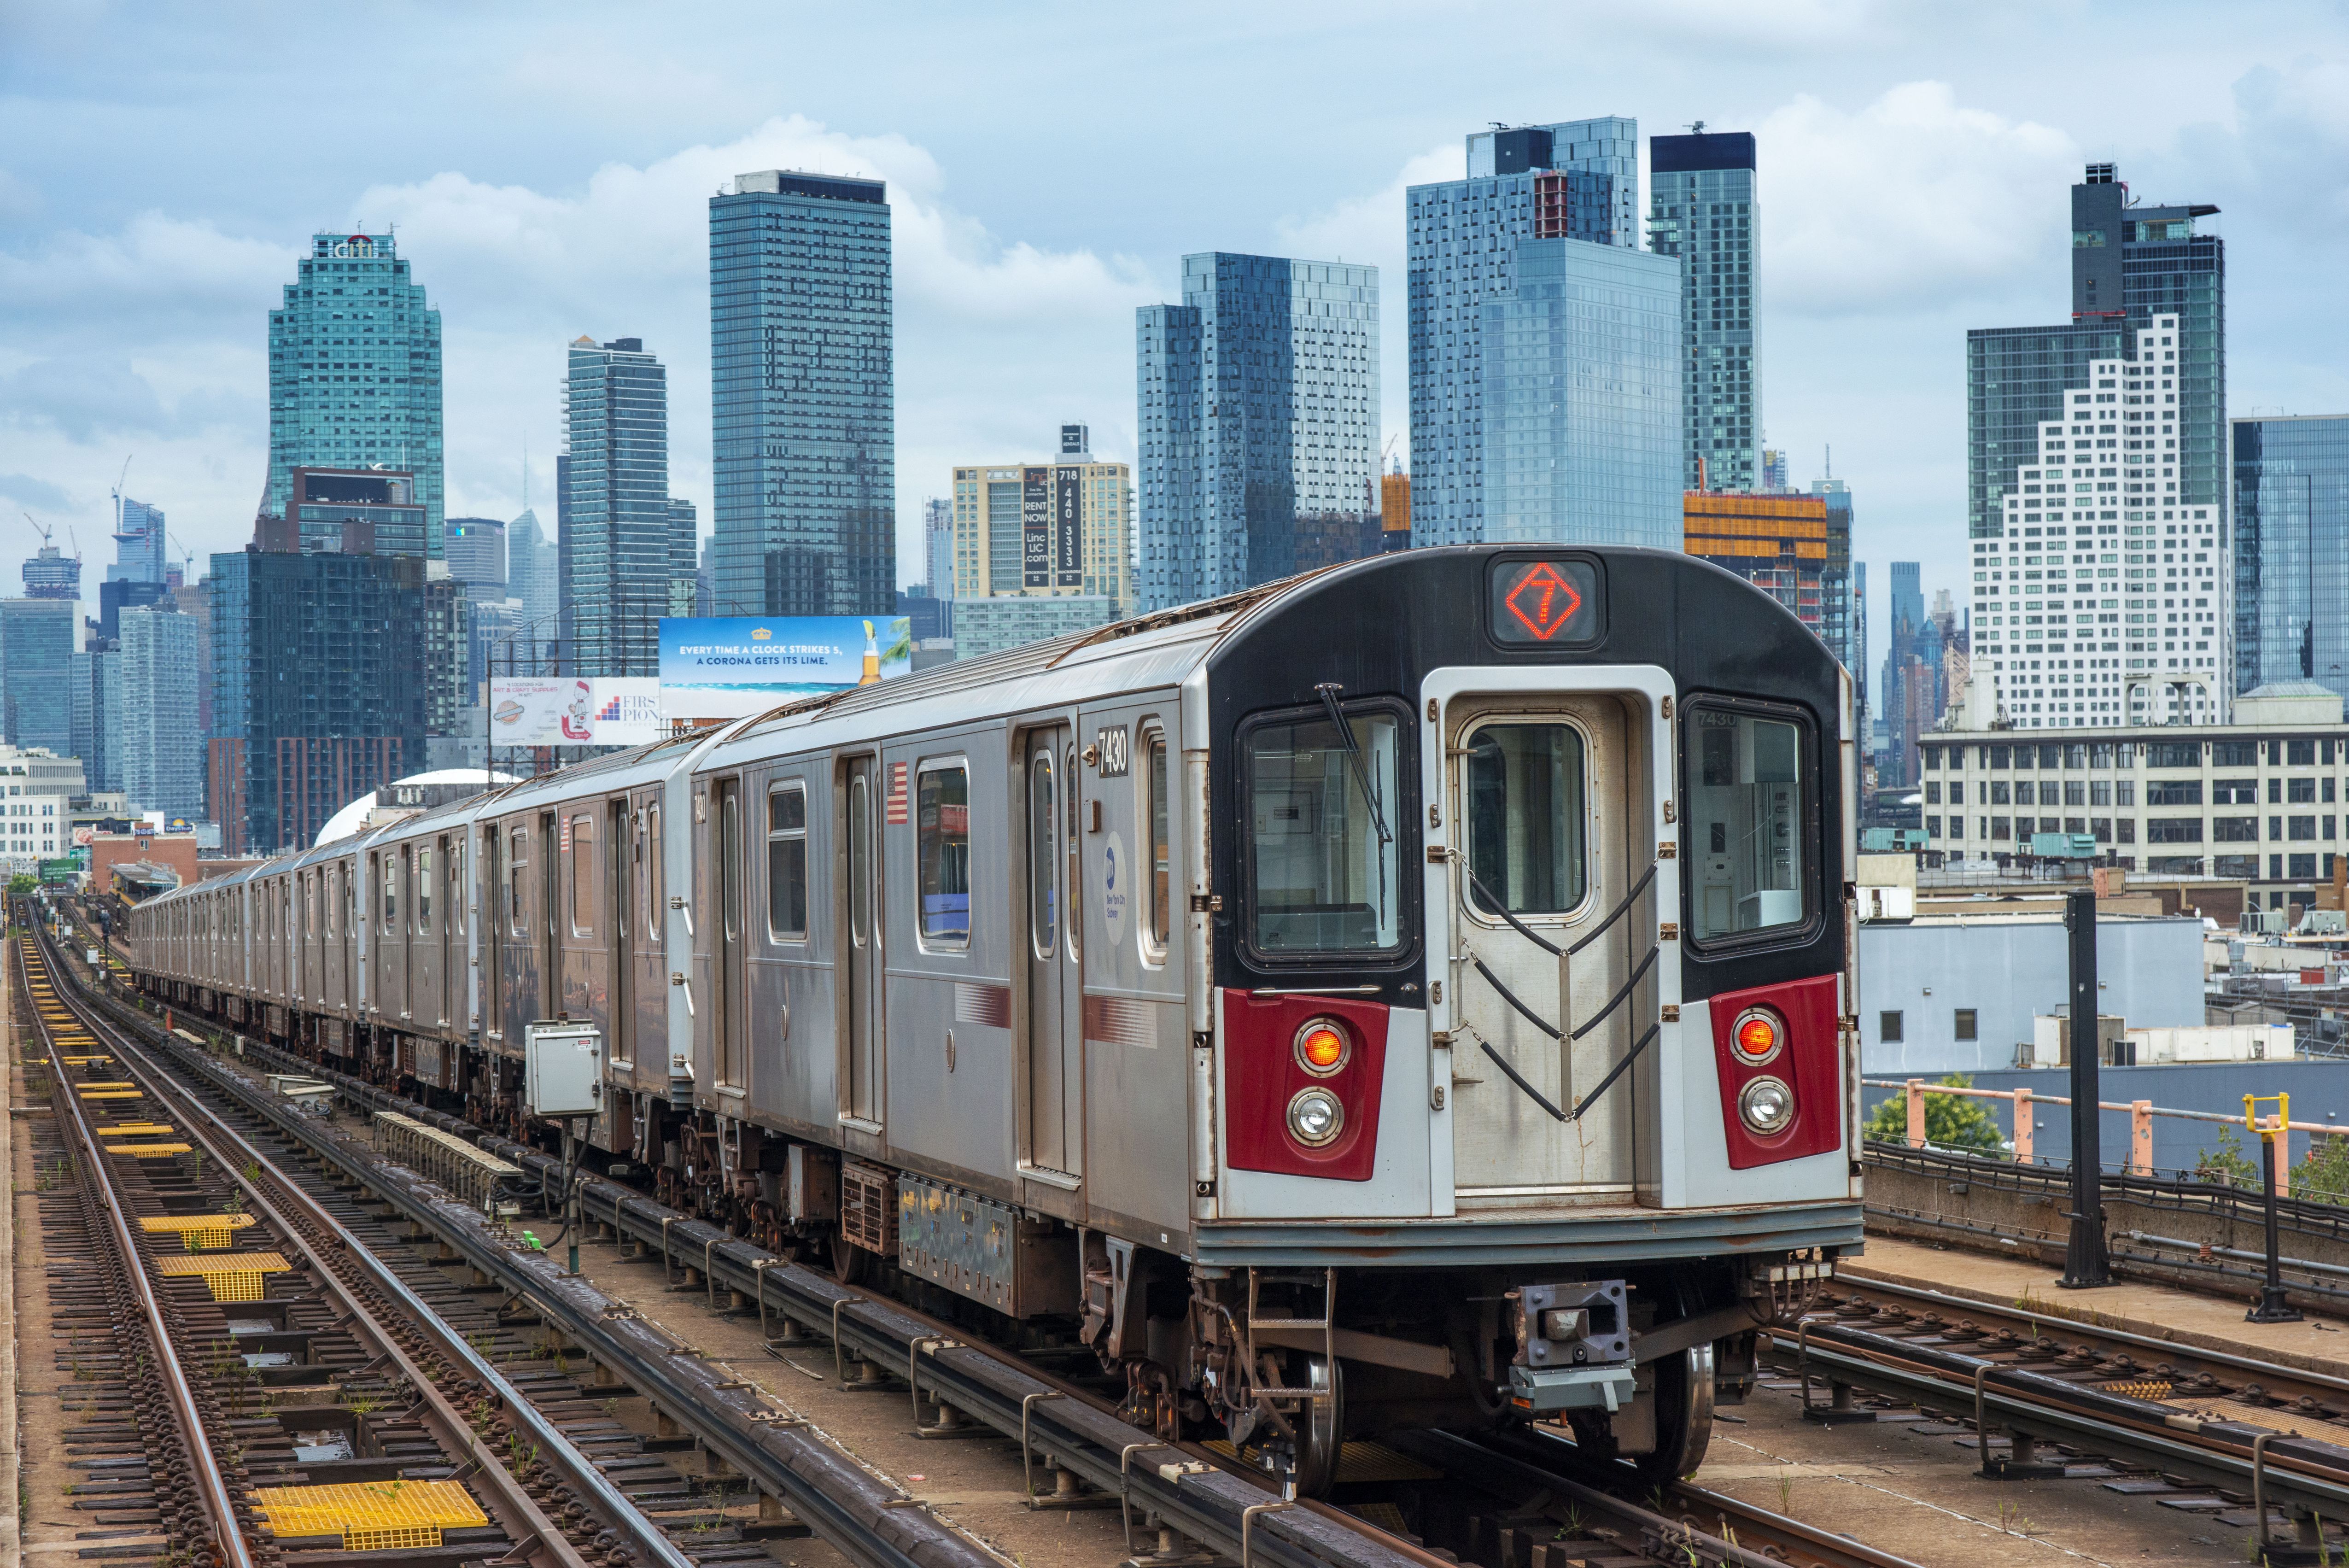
(872, 676)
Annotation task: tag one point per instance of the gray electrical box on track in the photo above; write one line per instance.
(563, 1070)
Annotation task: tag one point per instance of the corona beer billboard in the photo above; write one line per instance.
(734, 667)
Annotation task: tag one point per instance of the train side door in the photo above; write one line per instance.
(490, 928)
(623, 911)
(1545, 797)
(730, 1027)
(545, 935)
(860, 1102)
(1054, 1058)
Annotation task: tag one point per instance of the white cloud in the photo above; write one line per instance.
(1910, 203)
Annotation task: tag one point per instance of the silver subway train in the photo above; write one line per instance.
(1411, 993)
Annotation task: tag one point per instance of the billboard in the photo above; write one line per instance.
(576, 711)
(730, 667)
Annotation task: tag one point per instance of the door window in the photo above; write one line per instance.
(787, 862)
(582, 868)
(1323, 836)
(1043, 856)
(1749, 820)
(1159, 928)
(656, 876)
(1527, 818)
(424, 892)
(517, 869)
(942, 857)
(860, 849)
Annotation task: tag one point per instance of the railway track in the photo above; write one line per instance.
(1518, 1502)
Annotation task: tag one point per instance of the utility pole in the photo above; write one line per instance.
(2086, 1265)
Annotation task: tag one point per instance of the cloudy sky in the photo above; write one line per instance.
(547, 168)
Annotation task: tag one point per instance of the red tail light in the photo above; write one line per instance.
(1778, 1053)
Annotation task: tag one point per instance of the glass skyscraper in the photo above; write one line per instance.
(158, 752)
(803, 395)
(1576, 179)
(38, 638)
(1258, 399)
(354, 372)
(1838, 628)
(2016, 378)
(615, 540)
(138, 542)
(2291, 550)
(1702, 208)
(1582, 397)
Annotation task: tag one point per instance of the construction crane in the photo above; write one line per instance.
(1386, 458)
(187, 573)
(39, 527)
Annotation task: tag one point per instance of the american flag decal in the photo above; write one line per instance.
(896, 795)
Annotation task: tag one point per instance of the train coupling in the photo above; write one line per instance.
(1573, 1349)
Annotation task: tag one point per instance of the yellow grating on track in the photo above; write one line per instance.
(85, 1060)
(371, 1517)
(149, 1150)
(106, 1084)
(137, 1129)
(198, 1232)
(232, 1276)
(111, 1094)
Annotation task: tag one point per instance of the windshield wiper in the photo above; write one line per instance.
(1329, 690)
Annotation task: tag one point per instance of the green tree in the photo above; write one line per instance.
(23, 885)
(1952, 1121)
(2323, 1176)
(2228, 1165)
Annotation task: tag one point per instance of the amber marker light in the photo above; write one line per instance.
(1758, 1036)
(1321, 1047)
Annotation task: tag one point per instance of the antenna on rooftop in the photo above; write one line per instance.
(1696, 127)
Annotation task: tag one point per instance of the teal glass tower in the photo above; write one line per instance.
(355, 373)
(803, 408)
(613, 543)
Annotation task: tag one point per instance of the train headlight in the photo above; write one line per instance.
(1767, 1106)
(1323, 1048)
(1315, 1117)
(1758, 1037)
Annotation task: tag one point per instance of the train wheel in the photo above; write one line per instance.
(1683, 1415)
(1321, 1428)
(851, 1264)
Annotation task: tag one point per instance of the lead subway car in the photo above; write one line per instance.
(1409, 995)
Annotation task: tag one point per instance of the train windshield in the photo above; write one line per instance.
(1747, 819)
(1327, 875)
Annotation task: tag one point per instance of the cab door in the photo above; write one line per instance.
(1053, 1057)
(1542, 799)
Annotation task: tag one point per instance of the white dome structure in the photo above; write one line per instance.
(443, 784)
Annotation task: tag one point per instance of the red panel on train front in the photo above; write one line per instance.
(1261, 1074)
(1810, 1064)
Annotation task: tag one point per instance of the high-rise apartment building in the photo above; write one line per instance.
(1777, 542)
(1395, 509)
(2108, 600)
(532, 576)
(684, 553)
(141, 547)
(35, 824)
(615, 540)
(1582, 397)
(363, 511)
(1258, 399)
(371, 638)
(354, 372)
(38, 638)
(1837, 624)
(2291, 550)
(1702, 207)
(1774, 470)
(477, 555)
(2017, 378)
(1042, 529)
(159, 749)
(94, 707)
(51, 574)
(803, 395)
(195, 602)
(938, 546)
(1578, 179)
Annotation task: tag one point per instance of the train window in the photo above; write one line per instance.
(1527, 817)
(1325, 850)
(1043, 857)
(1158, 930)
(656, 879)
(942, 855)
(1749, 817)
(456, 860)
(391, 899)
(517, 870)
(1072, 874)
(583, 881)
(787, 862)
(424, 891)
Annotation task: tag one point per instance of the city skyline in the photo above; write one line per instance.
(1965, 235)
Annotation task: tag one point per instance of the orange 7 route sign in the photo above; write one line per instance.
(1543, 600)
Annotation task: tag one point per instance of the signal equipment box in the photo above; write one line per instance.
(563, 1070)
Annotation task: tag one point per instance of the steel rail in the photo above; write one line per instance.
(1863, 1285)
(2305, 1472)
(229, 1540)
(1189, 1487)
(523, 1519)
